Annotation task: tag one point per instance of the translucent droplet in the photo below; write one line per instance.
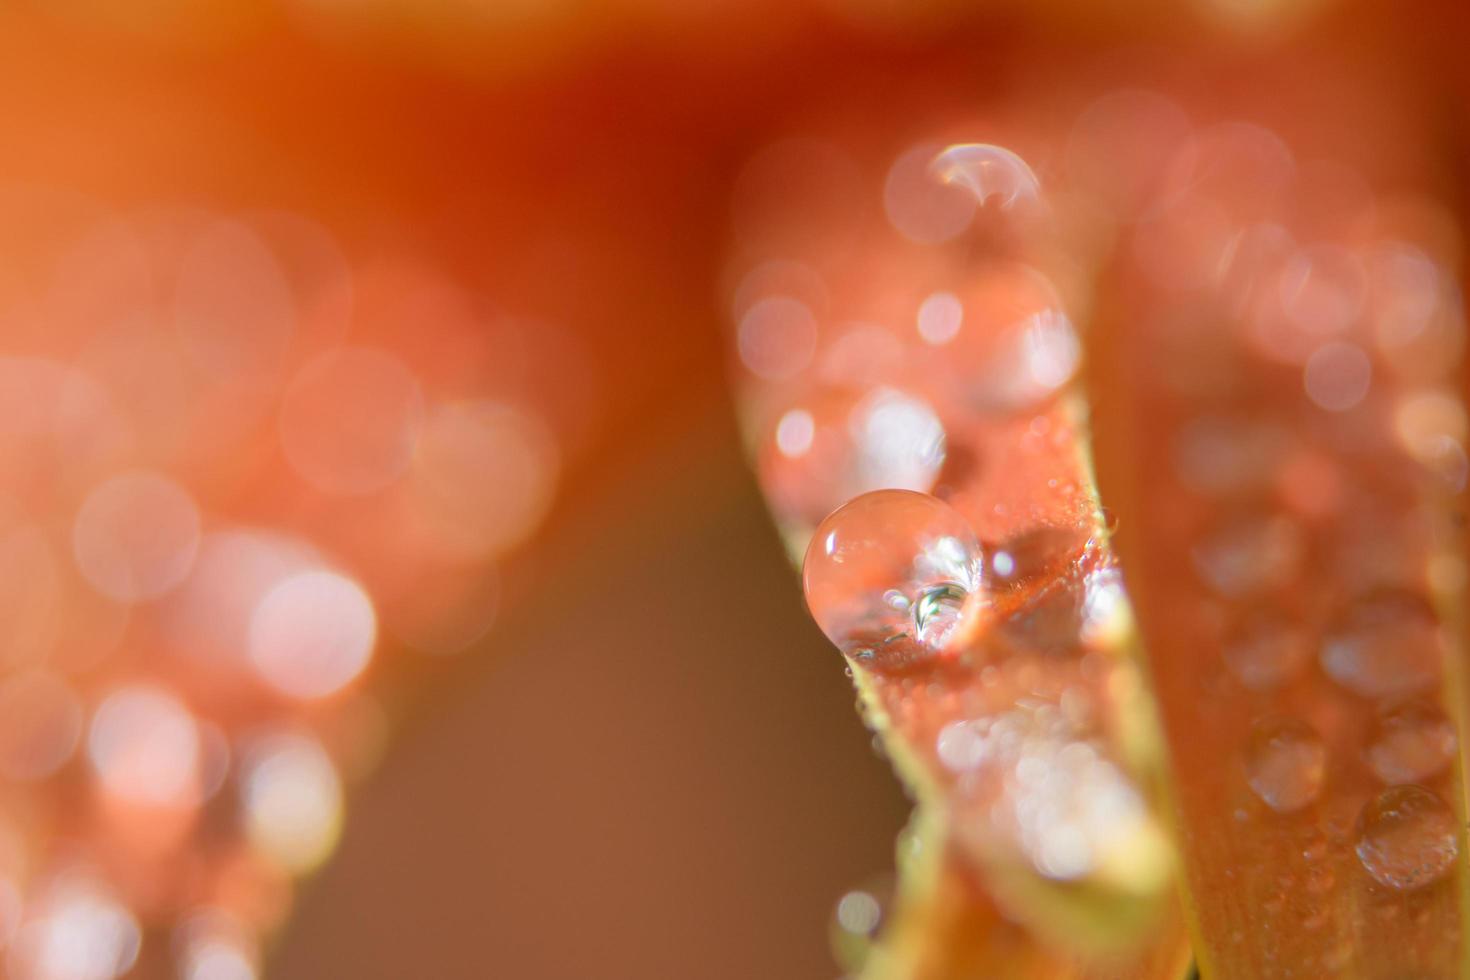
(1264, 649)
(919, 207)
(1218, 454)
(857, 920)
(1285, 764)
(1250, 555)
(988, 171)
(1387, 644)
(884, 542)
(1411, 743)
(1408, 838)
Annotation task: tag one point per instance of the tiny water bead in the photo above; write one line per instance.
(1411, 743)
(1002, 342)
(1285, 764)
(892, 564)
(1250, 555)
(1387, 644)
(1265, 648)
(1408, 838)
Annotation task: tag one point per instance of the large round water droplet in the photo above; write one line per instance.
(888, 566)
(1411, 743)
(1407, 838)
(1285, 764)
(1384, 645)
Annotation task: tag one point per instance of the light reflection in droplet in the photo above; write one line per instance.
(1408, 838)
(891, 541)
(1411, 743)
(208, 617)
(312, 634)
(988, 172)
(1386, 644)
(292, 799)
(922, 208)
(144, 746)
(794, 433)
(1286, 764)
(940, 317)
(212, 945)
(78, 931)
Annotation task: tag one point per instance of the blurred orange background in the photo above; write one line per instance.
(649, 767)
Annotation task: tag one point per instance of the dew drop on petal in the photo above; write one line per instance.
(1408, 838)
(988, 172)
(1411, 743)
(923, 209)
(1285, 764)
(1250, 555)
(144, 745)
(78, 931)
(1386, 644)
(292, 798)
(886, 542)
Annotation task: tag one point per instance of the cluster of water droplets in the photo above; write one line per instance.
(1302, 347)
(903, 357)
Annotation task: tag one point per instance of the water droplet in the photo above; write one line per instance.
(1411, 743)
(891, 541)
(857, 919)
(1250, 555)
(1264, 649)
(1387, 644)
(777, 337)
(988, 171)
(1285, 764)
(1408, 838)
